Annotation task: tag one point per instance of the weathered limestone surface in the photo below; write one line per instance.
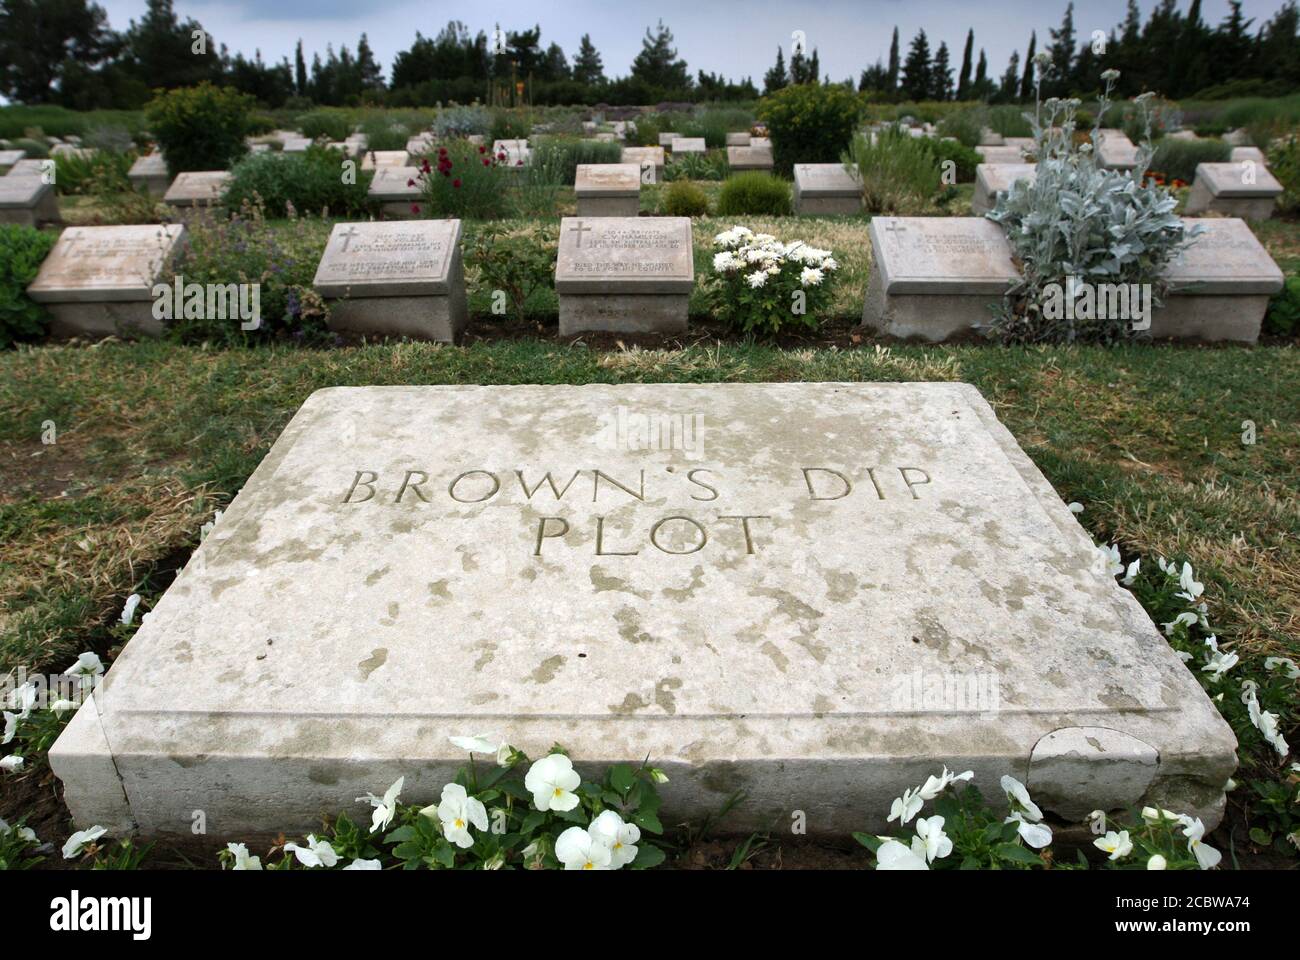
(827, 593)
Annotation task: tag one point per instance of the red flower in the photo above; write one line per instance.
(456, 183)
(410, 183)
(482, 149)
(415, 208)
(487, 162)
(519, 163)
(501, 155)
(442, 151)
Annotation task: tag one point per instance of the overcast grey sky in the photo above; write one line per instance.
(733, 37)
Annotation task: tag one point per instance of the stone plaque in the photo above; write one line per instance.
(388, 259)
(942, 255)
(91, 264)
(645, 255)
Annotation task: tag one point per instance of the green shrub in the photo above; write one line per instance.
(510, 125)
(310, 182)
(110, 138)
(246, 249)
(1283, 317)
(715, 123)
(964, 158)
(22, 249)
(36, 149)
(760, 285)
(200, 128)
(81, 174)
(966, 125)
(646, 133)
(754, 194)
(330, 124)
(555, 159)
(384, 133)
(1284, 164)
(685, 199)
(466, 181)
(809, 123)
(901, 174)
(518, 263)
(1009, 121)
(1177, 159)
(697, 166)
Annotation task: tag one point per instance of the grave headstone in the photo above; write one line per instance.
(1220, 284)
(1240, 188)
(517, 152)
(666, 138)
(375, 159)
(296, 144)
(826, 188)
(197, 194)
(99, 280)
(1115, 151)
(993, 179)
(149, 173)
(645, 158)
(991, 138)
(682, 145)
(740, 139)
(395, 278)
(9, 157)
(933, 277)
(825, 593)
(1000, 155)
(625, 274)
(33, 168)
(608, 189)
(28, 201)
(742, 159)
(398, 192)
(1241, 154)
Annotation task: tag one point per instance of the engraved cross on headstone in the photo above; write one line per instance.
(69, 239)
(347, 236)
(580, 230)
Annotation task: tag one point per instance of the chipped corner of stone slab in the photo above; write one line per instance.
(83, 760)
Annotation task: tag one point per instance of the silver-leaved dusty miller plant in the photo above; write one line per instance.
(1080, 225)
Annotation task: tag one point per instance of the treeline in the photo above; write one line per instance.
(1175, 54)
(64, 52)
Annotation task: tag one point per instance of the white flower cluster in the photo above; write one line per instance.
(763, 255)
(21, 701)
(930, 842)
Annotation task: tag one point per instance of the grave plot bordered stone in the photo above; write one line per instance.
(689, 145)
(9, 157)
(149, 173)
(832, 592)
(738, 139)
(624, 274)
(99, 281)
(826, 188)
(33, 168)
(1239, 188)
(197, 193)
(1240, 154)
(398, 192)
(608, 189)
(296, 144)
(994, 179)
(28, 201)
(1220, 284)
(1115, 151)
(385, 158)
(749, 158)
(933, 277)
(1000, 155)
(644, 157)
(518, 153)
(399, 278)
(666, 138)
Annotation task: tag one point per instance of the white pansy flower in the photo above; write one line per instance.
(88, 665)
(60, 707)
(1292, 672)
(505, 755)
(317, 853)
(128, 610)
(482, 743)
(1075, 507)
(1182, 618)
(894, 855)
(78, 841)
(1157, 862)
(1206, 856)
(385, 806)
(12, 763)
(1037, 835)
(1110, 559)
(1192, 590)
(577, 849)
(1219, 663)
(243, 861)
(552, 780)
(934, 786)
(1131, 573)
(11, 727)
(1015, 790)
(1118, 845)
(907, 806)
(456, 811)
(23, 699)
(935, 843)
(621, 838)
(359, 864)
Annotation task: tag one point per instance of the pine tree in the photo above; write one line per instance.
(981, 87)
(1062, 53)
(776, 78)
(370, 74)
(1010, 88)
(893, 63)
(1027, 78)
(814, 69)
(587, 67)
(299, 71)
(941, 75)
(658, 64)
(916, 69)
(963, 78)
